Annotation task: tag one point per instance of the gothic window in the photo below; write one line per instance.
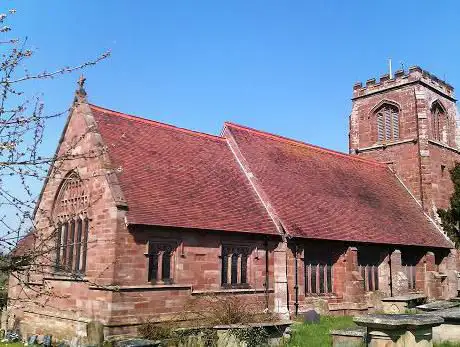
(72, 241)
(318, 278)
(438, 121)
(160, 261)
(73, 226)
(370, 274)
(387, 123)
(234, 266)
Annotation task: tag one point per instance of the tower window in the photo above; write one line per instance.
(438, 121)
(387, 123)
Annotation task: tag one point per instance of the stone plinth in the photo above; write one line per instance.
(401, 303)
(450, 329)
(350, 337)
(398, 330)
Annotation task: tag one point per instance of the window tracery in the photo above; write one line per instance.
(73, 226)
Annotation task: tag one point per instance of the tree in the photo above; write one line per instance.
(23, 167)
(450, 218)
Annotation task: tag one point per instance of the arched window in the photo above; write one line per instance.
(438, 121)
(387, 123)
(73, 226)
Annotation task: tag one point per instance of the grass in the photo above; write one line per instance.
(317, 335)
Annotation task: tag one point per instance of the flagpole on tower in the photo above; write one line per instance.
(389, 66)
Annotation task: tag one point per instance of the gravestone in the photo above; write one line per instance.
(349, 337)
(47, 341)
(75, 342)
(32, 340)
(311, 316)
(95, 333)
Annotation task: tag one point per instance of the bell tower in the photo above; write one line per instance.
(409, 122)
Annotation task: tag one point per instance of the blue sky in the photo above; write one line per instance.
(286, 67)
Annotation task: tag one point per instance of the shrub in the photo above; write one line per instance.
(155, 331)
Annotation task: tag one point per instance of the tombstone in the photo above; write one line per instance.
(311, 316)
(32, 340)
(75, 342)
(95, 333)
(47, 341)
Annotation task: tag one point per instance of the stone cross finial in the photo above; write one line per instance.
(81, 92)
(81, 81)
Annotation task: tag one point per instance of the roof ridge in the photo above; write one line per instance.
(156, 123)
(304, 144)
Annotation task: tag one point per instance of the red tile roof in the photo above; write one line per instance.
(322, 194)
(177, 177)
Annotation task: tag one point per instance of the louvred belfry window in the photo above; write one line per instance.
(387, 123)
(73, 226)
(438, 122)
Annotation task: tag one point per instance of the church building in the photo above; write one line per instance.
(139, 218)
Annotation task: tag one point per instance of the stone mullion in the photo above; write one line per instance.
(238, 269)
(160, 266)
(229, 267)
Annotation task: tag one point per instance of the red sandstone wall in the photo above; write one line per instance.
(403, 160)
(367, 124)
(61, 295)
(197, 270)
(442, 160)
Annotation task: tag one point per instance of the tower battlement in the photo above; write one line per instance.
(400, 78)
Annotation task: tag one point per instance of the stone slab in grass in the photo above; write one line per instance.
(438, 305)
(136, 343)
(448, 314)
